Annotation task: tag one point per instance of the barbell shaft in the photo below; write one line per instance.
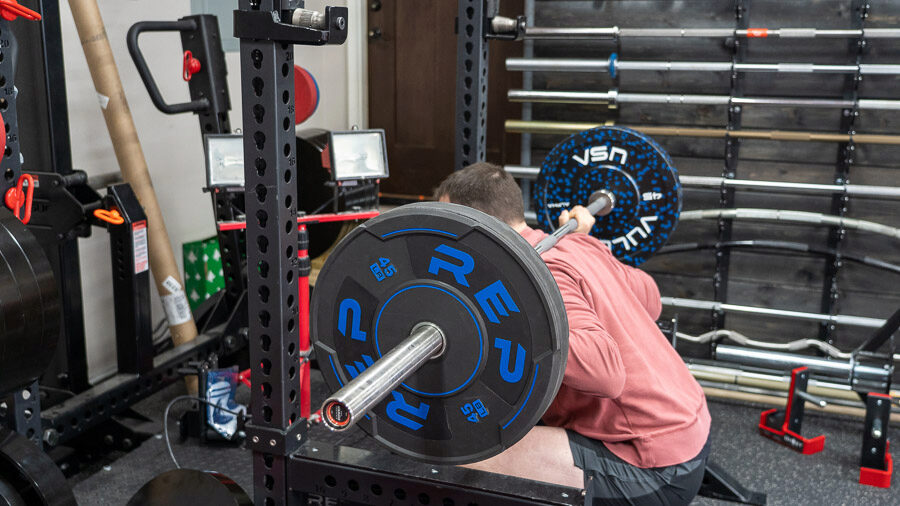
(345, 407)
(614, 32)
(601, 204)
(786, 361)
(709, 305)
(614, 97)
(613, 65)
(542, 33)
(789, 216)
(889, 192)
(564, 128)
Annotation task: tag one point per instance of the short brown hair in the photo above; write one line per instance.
(486, 187)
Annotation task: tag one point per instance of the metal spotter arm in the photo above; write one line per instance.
(345, 407)
(815, 399)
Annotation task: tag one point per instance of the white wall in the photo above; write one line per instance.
(340, 71)
(172, 144)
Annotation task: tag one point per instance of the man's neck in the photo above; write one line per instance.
(520, 227)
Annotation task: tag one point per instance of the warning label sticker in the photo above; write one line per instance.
(141, 251)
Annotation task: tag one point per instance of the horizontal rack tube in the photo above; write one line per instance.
(566, 127)
(709, 305)
(887, 192)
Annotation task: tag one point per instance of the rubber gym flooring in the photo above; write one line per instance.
(828, 478)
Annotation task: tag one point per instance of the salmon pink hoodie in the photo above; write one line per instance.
(624, 384)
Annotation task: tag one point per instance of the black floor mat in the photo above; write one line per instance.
(829, 477)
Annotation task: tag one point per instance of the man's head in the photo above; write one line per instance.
(488, 188)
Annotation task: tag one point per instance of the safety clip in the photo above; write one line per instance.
(18, 197)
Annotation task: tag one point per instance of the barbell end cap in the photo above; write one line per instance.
(336, 416)
(335, 413)
(608, 197)
(504, 25)
(308, 19)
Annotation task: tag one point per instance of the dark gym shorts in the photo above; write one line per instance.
(610, 480)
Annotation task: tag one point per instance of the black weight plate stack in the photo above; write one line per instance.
(29, 306)
(28, 476)
(495, 301)
(190, 487)
(628, 164)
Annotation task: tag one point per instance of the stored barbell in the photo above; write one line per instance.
(516, 27)
(28, 476)
(440, 329)
(563, 127)
(613, 65)
(614, 97)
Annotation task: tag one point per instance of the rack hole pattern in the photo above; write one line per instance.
(270, 163)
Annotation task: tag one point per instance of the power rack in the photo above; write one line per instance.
(64, 210)
(287, 468)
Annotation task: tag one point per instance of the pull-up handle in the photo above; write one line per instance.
(136, 29)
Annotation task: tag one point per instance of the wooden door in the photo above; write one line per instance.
(412, 86)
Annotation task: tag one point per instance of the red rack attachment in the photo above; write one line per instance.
(19, 197)
(190, 66)
(875, 463)
(783, 425)
(10, 10)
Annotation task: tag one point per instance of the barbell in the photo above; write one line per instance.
(441, 331)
